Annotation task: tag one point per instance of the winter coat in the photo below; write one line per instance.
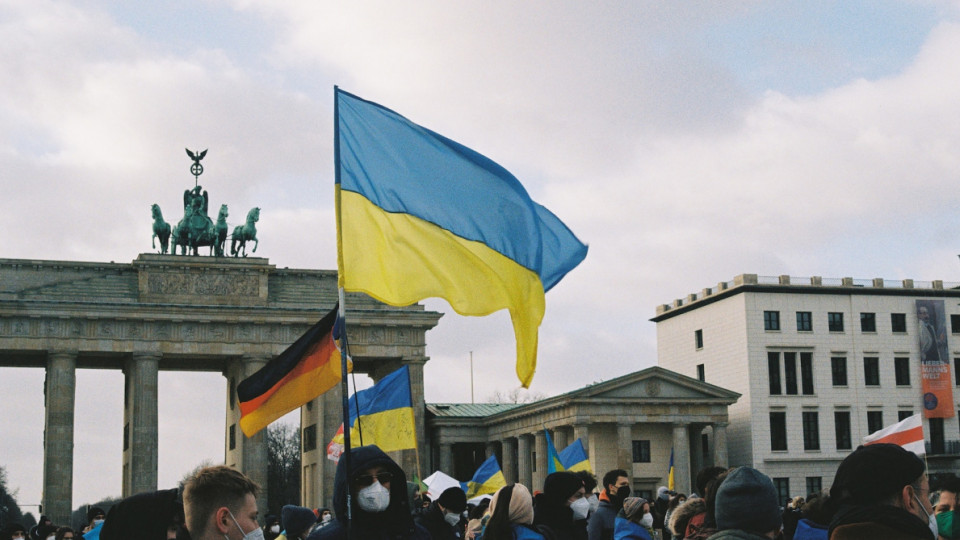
(680, 517)
(624, 529)
(432, 520)
(869, 522)
(394, 523)
(601, 522)
(808, 530)
(522, 532)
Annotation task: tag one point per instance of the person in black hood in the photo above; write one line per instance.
(561, 510)
(443, 519)
(379, 503)
(151, 516)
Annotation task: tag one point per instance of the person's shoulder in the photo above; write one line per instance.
(524, 532)
(333, 531)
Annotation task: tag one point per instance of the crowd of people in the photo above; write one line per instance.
(880, 491)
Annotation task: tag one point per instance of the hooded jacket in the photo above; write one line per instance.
(681, 515)
(144, 515)
(394, 523)
(854, 522)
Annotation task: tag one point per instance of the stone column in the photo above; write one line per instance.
(720, 457)
(509, 464)
(625, 448)
(696, 448)
(446, 458)
(140, 423)
(681, 458)
(246, 454)
(523, 462)
(409, 459)
(491, 450)
(60, 394)
(540, 445)
(560, 438)
(581, 431)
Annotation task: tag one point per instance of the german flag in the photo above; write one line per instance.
(303, 372)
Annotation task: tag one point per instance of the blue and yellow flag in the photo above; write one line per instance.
(554, 463)
(486, 481)
(574, 457)
(670, 472)
(385, 418)
(421, 216)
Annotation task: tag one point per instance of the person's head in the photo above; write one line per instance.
(324, 515)
(565, 489)
(298, 521)
(903, 482)
(47, 532)
(922, 313)
(95, 515)
(705, 476)
(677, 500)
(637, 510)
(616, 483)
(14, 531)
(452, 502)
(65, 533)
(589, 480)
(220, 502)
(425, 501)
(511, 505)
(796, 503)
(747, 500)
(379, 502)
(946, 507)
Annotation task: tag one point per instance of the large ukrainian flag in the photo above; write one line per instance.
(486, 481)
(421, 216)
(383, 414)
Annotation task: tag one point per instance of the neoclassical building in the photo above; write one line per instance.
(631, 422)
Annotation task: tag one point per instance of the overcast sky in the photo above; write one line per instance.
(685, 142)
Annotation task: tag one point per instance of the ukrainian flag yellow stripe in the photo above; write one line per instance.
(390, 430)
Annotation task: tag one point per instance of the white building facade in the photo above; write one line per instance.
(819, 363)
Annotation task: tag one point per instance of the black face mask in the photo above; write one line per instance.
(622, 492)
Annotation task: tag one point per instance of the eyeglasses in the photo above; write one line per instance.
(367, 479)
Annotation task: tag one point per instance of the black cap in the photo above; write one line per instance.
(453, 499)
(875, 473)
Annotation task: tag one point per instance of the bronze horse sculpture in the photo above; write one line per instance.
(245, 232)
(161, 230)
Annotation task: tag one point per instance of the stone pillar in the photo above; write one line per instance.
(59, 397)
(540, 446)
(140, 423)
(720, 457)
(560, 438)
(246, 454)
(409, 457)
(625, 448)
(696, 448)
(681, 458)
(582, 432)
(446, 458)
(491, 450)
(509, 464)
(523, 462)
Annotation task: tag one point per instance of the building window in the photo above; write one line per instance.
(701, 374)
(783, 490)
(806, 373)
(874, 421)
(868, 322)
(898, 322)
(901, 367)
(773, 366)
(835, 322)
(841, 424)
(814, 485)
(871, 371)
(838, 368)
(790, 372)
(804, 321)
(778, 431)
(698, 338)
(955, 324)
(903, 415)
(937, 441)
(771, 320)
(641, 451)
(310, 438)
(956, 371)
(811, 430)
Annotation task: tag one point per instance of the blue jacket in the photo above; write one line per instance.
(808, 530)
(521, 532)
(624, 529)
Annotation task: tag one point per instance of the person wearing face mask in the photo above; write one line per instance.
(378, 496)
(882, 491)
(589, 484)
(634, 521)
(95, 518)
(326, 517)
(271, 527)
(220, 503)
(13, 531)
(443, 519)
(945, 509)
(616, 488)
(47, 532)
(560, 511)
(297, 522)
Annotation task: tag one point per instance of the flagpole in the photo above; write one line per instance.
(344, 398)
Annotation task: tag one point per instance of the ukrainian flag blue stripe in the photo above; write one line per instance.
(488, 479)
(390, 392)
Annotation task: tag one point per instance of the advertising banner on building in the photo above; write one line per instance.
(935, 377)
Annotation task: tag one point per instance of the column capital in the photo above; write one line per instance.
(62, 354)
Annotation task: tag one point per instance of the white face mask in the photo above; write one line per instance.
(647, 520)
(451, 519)
(931, 519)
(275, 529)
(374, 498)
(255, 534)
(580, 508)
(327, 517)
(52, 537)
(594, 502)
(97, 522)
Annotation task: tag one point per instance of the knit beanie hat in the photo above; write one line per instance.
(747, 500)
(633, 508)
(453, 499)
(873, 473)
(561, 485)
(296, 519)
(93, 512)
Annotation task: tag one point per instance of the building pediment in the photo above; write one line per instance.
(654, 383)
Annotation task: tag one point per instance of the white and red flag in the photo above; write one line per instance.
(907, 433)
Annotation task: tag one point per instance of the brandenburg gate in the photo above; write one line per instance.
(189, 313)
